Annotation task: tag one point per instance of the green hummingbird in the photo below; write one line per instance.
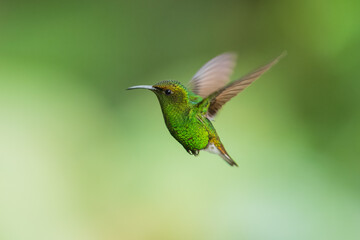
(188, 113)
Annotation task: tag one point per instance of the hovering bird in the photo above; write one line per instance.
(188, 113)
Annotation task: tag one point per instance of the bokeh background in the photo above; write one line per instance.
(81, 158)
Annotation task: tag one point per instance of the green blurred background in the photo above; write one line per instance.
(81, 158)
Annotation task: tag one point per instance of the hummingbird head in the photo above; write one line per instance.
(169, 92)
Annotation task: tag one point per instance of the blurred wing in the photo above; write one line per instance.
(230, 91)
(213, 75)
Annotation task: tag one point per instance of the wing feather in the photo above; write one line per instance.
(226, 93)
(214, 75)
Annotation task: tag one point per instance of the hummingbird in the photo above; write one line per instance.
(188, 112)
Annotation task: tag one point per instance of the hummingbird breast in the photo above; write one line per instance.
(190, 131)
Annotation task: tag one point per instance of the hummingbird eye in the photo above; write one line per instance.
(168, 92)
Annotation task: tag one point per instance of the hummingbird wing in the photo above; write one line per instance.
(214, 75)
(219, 98)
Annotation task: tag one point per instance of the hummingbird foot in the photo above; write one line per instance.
(193, 152)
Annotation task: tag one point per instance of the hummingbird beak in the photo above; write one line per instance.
(142, 87)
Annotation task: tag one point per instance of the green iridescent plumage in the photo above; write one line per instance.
(183, 117)
(188, 114)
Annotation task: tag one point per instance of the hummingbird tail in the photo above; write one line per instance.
(220, 150)
(228, 159)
